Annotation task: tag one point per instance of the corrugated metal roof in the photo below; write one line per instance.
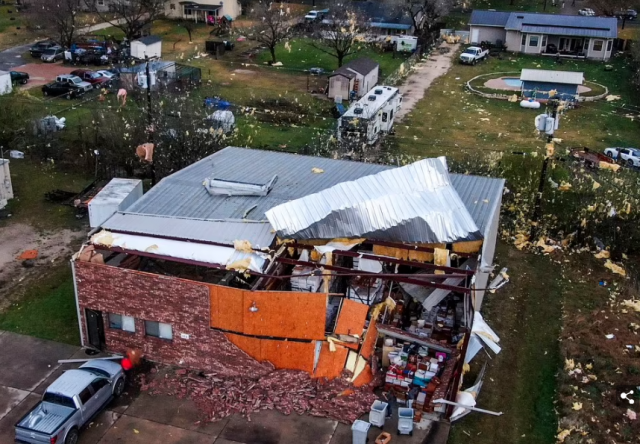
(556, 24)
(413, 203)
(544, 75)
(259, 234)
(116, 191)
(182, 194)
(489, 18)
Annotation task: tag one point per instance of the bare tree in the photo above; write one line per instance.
(274, 25)
(425, 15)
(612, 7)
(189, 26)
(130, 16)
(59, 16)
(340, 31)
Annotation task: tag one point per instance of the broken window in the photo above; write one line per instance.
(158, 329)
(122, 322)
(384, 117)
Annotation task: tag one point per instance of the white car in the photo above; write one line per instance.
(108, 74)
(629, 156)
(588, 12)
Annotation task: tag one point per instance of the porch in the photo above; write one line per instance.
(567, 47)
(201, 13)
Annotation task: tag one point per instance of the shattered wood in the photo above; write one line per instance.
(286, 391)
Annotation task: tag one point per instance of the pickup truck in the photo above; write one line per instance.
(628, 156)
(73, 400)
(473, 54)
(97, 80)
(314, 15)
(59, 89)
(75, 81)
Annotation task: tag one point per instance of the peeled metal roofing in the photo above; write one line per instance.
(545, 75)
(259, 234)
(557, 24)
(413, 203)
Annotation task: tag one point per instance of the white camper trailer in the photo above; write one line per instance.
(370, 116)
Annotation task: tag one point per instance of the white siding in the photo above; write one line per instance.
(5, 83)
(487, 33)
(513, 41)
(340, 86)
(602, 54)
(528, 49)
(229, 7)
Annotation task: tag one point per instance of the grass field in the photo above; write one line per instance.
(455, 121)
(47, 309)
(12, 28)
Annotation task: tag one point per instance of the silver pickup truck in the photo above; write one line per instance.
(71, 402)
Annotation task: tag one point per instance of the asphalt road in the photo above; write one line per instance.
(12, 57)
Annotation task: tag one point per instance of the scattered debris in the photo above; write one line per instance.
(317, 170)
(610, 336)
(28, 255)
(617, 269)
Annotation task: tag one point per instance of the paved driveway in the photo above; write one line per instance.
(29, 365)
(12, 57)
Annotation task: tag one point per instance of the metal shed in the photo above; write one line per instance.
(538, 82)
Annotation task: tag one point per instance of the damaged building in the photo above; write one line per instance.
(248, 260)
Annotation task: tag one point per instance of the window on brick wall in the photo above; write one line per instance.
(122, 322)
(158, 329)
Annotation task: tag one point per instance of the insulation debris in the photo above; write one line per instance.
(603, 254)
(243, 246)
(617, 269)
(286, 391)
(317, 170)
(564, 186)
(634, 304)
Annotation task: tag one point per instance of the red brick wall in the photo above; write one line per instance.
(183, 304)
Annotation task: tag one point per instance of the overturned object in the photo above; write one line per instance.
(145, 152)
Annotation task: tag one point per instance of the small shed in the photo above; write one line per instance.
(117, 195)
(538, 82)
(6, 191)
(150, 46)
(5, 82)
(358, 76)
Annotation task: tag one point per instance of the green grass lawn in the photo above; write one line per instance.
(47, 309)
(300, 55)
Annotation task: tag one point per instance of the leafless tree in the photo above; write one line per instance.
(58, 16)
(611, 7)
(341, 31)
(189, 26)
(425, 15)
(130, 16)
(273, 25)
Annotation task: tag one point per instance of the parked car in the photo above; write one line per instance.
(62, 89)
(587, 12)
(73, 400)
(314, 15)
(52, 55)
(37, 49)
(316, 71)
(108, 74)
(74, 81)
(628, 156)
(92, 77)
(473, 54)
(629, 14)
(19, 77)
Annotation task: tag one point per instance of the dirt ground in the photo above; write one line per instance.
(424, 74)
(18, 237)
(43, 73)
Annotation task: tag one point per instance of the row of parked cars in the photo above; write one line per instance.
(79, 82)
(629, 14)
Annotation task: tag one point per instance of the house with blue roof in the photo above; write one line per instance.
(385, 20)
(546, 34)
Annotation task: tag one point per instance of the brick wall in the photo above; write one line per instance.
(183, 304)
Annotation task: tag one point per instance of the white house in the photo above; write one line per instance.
(5, 82)
(203, 11)
(546, 34)
(6, 190)
(359, 75)
(150, 46)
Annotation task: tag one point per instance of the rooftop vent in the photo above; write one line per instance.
(371, 98)
(358, 111)
(378, 91)
(221, 187)
(520, 16)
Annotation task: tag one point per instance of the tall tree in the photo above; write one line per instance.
(338, 34)
(58, 16)
(273, 25)
(426, 14)
(130, 16)
(612, 7)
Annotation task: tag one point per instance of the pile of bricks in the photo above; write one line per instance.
(286, 391)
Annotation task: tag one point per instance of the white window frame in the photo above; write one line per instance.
(533, 36)
(595, 43)
(609, 45)
(165, 331)
(100, 2)
(127, 323)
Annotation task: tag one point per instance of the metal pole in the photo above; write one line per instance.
(150, 128)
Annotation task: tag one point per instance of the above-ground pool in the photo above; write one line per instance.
(512, 81)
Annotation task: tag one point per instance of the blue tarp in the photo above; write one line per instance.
(215, 102)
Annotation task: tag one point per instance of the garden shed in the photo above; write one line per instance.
(357, 76)
(150, 46)
(538, 82)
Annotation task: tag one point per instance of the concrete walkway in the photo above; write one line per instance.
(414, 86)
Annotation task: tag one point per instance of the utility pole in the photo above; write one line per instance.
(537, 209)
(150, 128)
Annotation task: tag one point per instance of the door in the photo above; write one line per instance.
(475, 35)
(95, 328)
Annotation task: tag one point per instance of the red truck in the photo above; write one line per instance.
(92, 77)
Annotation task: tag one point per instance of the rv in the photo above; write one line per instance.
(370, 116)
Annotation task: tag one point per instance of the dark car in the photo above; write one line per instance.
(96, 80)
(19, 77)
(60, 89)
(40, 47)
(629, 14)
(52, 55)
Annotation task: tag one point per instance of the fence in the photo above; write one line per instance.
(403, 70)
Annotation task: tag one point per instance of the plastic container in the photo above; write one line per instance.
(378, 413)
(405, 421)
(359, 431)
(388, 342)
